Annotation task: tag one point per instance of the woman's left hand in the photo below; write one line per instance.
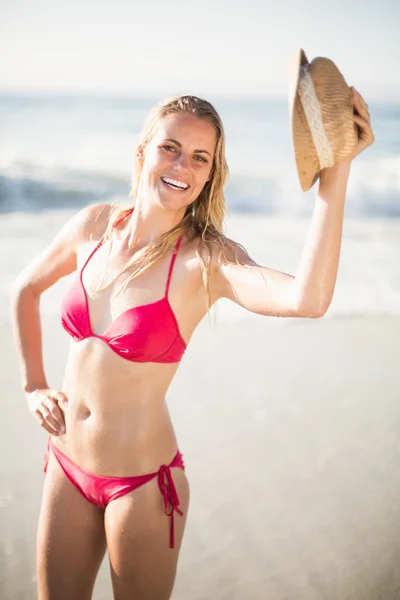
(362, 118)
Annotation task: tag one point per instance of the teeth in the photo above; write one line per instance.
(177, 183)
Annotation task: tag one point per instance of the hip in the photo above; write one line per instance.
(118, 442)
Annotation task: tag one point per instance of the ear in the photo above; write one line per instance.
(140, 153)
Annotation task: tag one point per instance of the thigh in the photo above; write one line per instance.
(138, 539)
(70, 539)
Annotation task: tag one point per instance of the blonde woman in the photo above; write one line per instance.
(147, 275)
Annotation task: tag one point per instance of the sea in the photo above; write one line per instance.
(59, 153)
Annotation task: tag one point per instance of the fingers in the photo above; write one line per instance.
(355, 94)
(366, 136)
(42, 421)
(53, 415)
(62, 399)
(362, 118)
(359, 103)
(361, 121)
(44, 406)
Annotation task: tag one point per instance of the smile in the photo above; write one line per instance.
(174, 184)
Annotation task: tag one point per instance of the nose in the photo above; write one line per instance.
(181, 162)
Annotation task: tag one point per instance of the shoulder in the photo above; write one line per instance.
(228, 258)
(225, 251)
(208, 261)
(215, 253)
(91, 222)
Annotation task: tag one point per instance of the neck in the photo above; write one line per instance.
(148, 223)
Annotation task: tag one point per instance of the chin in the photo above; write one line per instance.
(169, 202)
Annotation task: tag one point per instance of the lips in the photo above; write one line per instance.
(175, 184)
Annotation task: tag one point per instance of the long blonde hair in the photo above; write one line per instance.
(204, 218)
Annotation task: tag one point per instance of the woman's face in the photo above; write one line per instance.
(178, 160)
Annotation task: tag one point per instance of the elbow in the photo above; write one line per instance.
(18, 290)
(14, 293)
(313, 311)
(317, 314)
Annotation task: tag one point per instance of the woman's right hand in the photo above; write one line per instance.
(44, 405)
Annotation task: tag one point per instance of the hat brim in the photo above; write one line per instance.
(298, 59)
(308, 172)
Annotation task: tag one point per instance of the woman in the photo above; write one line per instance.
(115, 478)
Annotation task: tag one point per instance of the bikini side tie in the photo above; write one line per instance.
(170, 495)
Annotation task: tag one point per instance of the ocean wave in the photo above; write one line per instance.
(373, 189)
(31, 188)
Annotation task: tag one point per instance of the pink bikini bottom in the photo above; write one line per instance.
(100, 490)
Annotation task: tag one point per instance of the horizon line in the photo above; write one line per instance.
(391, 96)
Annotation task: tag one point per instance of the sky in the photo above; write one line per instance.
(220, 47)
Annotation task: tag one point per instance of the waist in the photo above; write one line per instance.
(116, 437)
(116, 418)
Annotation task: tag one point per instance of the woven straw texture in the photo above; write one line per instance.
(325, 132)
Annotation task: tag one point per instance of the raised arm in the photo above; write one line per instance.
(308, 293)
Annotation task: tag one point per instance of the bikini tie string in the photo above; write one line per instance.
(170, 495)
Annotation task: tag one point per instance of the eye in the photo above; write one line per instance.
(168, 148)
(202, 159)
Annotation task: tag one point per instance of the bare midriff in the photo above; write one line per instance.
(117, 420)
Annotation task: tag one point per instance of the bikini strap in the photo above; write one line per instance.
(118, 221)
(102, 238)
(171, 266)
(91, 254)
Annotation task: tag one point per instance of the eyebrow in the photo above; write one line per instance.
(180, 146)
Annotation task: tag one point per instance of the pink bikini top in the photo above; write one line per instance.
(147, 333)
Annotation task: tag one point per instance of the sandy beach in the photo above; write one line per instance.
(289, 428)
(290, 435)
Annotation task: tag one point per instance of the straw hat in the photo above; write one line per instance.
(321, 112)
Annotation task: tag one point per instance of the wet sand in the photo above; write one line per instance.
(290, 431)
